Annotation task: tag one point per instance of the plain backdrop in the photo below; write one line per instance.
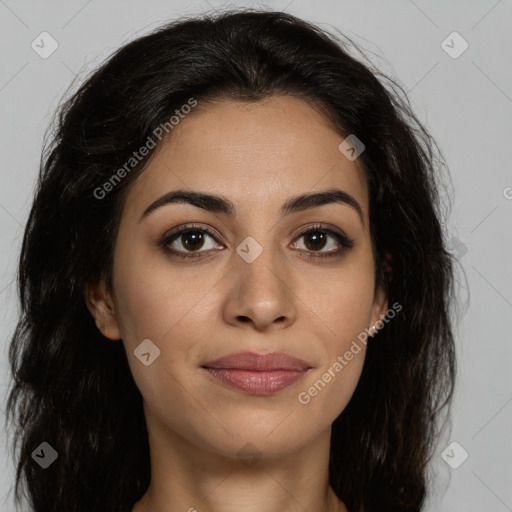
(464, 99)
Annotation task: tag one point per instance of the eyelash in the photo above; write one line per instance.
(344, 241)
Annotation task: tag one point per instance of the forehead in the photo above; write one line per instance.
(256, 153)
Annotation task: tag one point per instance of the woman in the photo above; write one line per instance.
(234, 287)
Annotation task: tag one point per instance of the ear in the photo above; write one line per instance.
(101, 306)
(379, 308)
(380, 302)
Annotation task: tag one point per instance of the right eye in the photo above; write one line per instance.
(190, 238)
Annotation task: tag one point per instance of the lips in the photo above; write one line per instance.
(258, 374)
(251, 361)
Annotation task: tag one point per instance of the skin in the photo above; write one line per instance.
(258, 155)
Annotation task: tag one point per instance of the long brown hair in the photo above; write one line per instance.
(75, 391)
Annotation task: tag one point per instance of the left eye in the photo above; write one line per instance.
(317, 239)
(192, 239)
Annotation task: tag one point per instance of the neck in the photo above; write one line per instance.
(185, 477)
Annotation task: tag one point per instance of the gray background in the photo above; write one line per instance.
(465, 102)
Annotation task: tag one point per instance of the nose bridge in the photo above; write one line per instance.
(259, 260)
(262, 283)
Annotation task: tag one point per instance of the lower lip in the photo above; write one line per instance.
(256, 382)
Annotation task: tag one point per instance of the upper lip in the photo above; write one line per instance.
(252, 361)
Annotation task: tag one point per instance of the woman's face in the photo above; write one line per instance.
(258, 285)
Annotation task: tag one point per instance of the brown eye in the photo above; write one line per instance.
(192, 240)
(315, 240)
(187, 240)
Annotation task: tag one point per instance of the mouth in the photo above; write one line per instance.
(257, 374)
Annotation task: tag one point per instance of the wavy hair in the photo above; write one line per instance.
(74, 390)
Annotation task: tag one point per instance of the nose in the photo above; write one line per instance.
(260, 293)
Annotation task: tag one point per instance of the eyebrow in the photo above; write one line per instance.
(220, 204)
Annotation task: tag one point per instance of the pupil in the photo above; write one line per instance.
(318, 239)
(197, 240)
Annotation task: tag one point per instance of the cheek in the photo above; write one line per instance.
(343, 347)
(345, 313)
(350, 312)
(328, 393)
(153, 299)
(171, 308)
(153, 307)
(342, 301)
